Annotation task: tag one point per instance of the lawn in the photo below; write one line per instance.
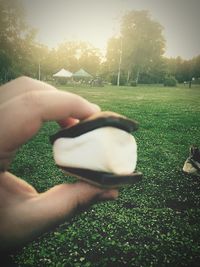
(155, 222)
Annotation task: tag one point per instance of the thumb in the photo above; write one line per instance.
(48, 210)
(65, 200)
(86, 195)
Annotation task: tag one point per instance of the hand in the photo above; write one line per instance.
(25, 104)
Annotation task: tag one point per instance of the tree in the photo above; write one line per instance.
(142, 41)
(195, 62)
(182, 70)
(141, 44)
(75, 55)
(15, 40)
(113, 54)
(89, 58)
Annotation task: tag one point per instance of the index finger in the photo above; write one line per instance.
(22, 117)
(20, 86)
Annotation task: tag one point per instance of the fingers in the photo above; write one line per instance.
(22, 117)
(109, 195)
(71, 121)
(25, 218)
(63, 201)
(61, 105)
(20, 86)
(85, 194)
(13, 189)
(68, 122)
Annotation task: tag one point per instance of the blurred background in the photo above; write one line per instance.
(121, 41)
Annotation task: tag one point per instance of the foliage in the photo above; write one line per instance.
(122, 80)
(21, 55)
(16, 40)
(76, 55)
(170, 81)
(183, 70)
(113, 54)
(154, 223)
(141, 44)
(143, 40)
(133, 83)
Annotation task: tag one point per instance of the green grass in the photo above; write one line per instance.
(156, 222)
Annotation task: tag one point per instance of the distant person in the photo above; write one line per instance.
(25, 104)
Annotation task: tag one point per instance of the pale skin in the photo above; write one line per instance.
(25, 104)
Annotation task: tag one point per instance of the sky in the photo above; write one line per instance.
(95, 21)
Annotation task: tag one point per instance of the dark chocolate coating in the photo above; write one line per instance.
(103, 179)
(90, 125)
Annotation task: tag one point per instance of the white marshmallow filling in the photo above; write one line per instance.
(106, 149)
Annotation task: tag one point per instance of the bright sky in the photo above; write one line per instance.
(95, 21)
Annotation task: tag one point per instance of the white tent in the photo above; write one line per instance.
(63, 73)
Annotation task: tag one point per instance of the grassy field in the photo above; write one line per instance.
(156, 222)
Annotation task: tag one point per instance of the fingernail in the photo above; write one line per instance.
(110, 195)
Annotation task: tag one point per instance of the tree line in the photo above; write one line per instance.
(135, 56)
